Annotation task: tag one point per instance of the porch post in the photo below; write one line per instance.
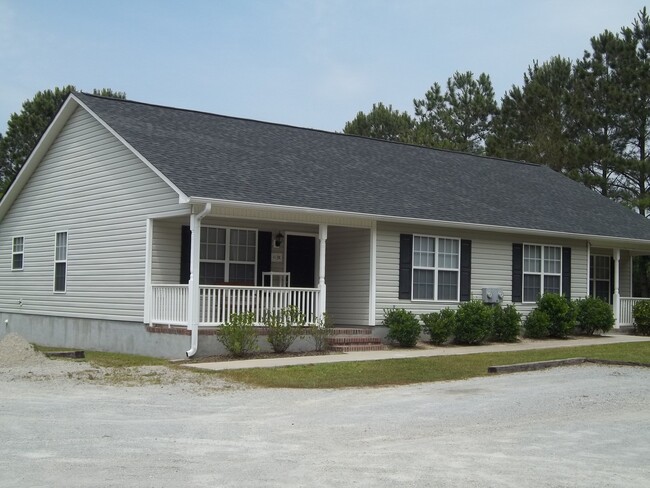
(373, 274)
(147, 271)
(617, 296)
(322, 238)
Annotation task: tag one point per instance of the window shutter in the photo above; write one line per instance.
(517, 272)
(263, 254)
(465, 270)
(186, 248)
(612, 269)
(405, 265)
(566, 272)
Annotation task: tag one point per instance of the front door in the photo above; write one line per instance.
(301, 255)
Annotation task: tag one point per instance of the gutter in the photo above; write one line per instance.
(193, 296)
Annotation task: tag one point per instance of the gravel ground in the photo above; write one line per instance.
(585, 426)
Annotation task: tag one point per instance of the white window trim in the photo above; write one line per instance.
(592, 281)
(226, 261)
(542, 274)
(435, 269)
(13, 253)
(58, 261)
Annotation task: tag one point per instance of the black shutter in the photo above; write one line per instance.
(566, 272)
(405, 265)
(465, 270)
(186, 248)
(612, 270)
(517, 272)
(263, 254)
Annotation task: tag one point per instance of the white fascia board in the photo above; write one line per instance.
(37, 154)
(181, 196)
(605, 241)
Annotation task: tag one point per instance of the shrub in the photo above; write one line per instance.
(238, 335)
(403, 327)
(320, 332)
(439, 325)
(594, 314)
(506, 323)
(641, 315)
(473, 323)
(284, 327)
(561, 313)
(536, 324)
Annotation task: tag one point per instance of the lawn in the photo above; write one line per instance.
(420, 370)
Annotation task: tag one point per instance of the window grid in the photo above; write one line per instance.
(600, 277)
(227, 255)
(60, 261)
(17, 253)
(542, 271)
(436, 268)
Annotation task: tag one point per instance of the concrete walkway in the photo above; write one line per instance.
(611, 338)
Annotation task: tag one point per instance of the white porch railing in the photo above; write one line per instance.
(627, 305)
(217, 303)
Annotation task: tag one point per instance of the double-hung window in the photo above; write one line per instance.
(60, 261)
(17, 253)
(600, 279)
(227, 256)
(542, 271)
(436, 268)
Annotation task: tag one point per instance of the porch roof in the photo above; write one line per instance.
(224, 158)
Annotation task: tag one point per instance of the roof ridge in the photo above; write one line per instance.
(322, 131)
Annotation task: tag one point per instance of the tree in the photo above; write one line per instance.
(534, 123)
(459, 119)
(382, 123)
(25, 129)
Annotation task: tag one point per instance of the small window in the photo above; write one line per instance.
(436, 267)
(542, 271)
(17, 253)
(60, 261)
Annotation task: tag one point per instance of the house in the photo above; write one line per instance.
(132, 224)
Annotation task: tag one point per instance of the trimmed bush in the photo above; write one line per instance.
(439, 325)
(239, 335)
(641, 315)
(403, 327)
(536, 324)
(561, 313)
(594, 314)
(320, 332)
(506, 323)
(284, 327)
(473, 323)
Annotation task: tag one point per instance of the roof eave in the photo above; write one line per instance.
(597, 240)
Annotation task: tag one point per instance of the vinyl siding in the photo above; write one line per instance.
(93, 187)
(491, 265)
(347, 275)
(166, 252)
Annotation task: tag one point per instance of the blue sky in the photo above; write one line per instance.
(308, 63)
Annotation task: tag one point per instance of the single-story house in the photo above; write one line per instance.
(132, 224)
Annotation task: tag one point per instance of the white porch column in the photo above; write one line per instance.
(322, 238)
(617, 296)
(147, 271)
(373, 274)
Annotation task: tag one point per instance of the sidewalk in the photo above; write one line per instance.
(611, 338)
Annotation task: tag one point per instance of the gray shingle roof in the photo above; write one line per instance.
(212, 156)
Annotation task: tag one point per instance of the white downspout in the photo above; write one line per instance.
(193, 297)
(617, 295)
(322, 237)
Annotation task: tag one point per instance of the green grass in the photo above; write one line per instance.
(110, 359)
(420, 370)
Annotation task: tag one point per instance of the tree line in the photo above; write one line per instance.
(588, 118)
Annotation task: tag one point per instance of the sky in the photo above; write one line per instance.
(308, 63)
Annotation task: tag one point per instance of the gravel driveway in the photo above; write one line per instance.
(585, 426)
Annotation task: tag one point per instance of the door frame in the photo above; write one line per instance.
(316, 253)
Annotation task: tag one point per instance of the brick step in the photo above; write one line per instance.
(353, 340)
(352, 331)
(357, 347)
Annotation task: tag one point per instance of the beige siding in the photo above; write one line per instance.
(625, 285)
(491, 265)
(347, 274)
(166, 252)
(91, 186)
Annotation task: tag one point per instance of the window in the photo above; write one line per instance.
(542, 271)
(436, 268)
(600, 277)
(60, 261)
(227, 256)
(17, 253)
